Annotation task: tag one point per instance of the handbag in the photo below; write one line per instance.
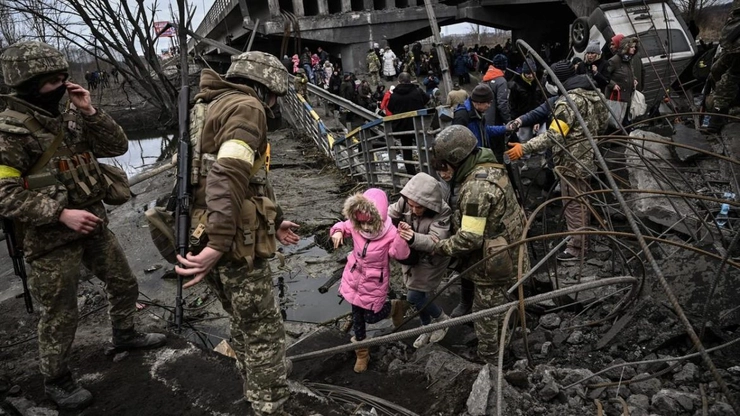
(616, 108)
(638, 106)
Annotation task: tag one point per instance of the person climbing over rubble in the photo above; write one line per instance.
(565, 132)
(486, 218)
(366, 277)
(423, 218)
(52, 184)
(240, 222)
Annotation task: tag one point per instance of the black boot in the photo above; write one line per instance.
(66, 393)
(716, 122)
(467, 292)
(129, 339)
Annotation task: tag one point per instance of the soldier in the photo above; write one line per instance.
(726, 69)
(300, 83)
(486, 218)
(51, 183)
(373, 67)
(566, 132)
(239, 220)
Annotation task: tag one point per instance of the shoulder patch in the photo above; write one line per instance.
(471, 210)
(481, 175)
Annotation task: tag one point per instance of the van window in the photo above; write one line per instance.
(656, 43)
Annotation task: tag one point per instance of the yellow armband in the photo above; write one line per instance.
(9, 172)
(236, 149)
(559, 126)
(475, 225)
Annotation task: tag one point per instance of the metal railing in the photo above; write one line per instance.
(374, 152)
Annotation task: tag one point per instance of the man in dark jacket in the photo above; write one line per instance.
(524, 96)
(470, 115)
(407, 97)
(726, 69)
(499, 112)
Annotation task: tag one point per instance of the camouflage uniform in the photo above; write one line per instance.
(373, 67)
(486, 210)
(726, 68)
(300, 83)
(70, 180)
(234, 201)
(567, 132)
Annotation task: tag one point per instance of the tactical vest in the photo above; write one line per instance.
(256, 225)
(70, 174)
(501, 266)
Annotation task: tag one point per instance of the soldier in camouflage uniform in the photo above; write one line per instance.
(373, 67)
(726, 69)
(300, 83)
(487, 217)
(566, 133)
(51, 184)
(236, 219)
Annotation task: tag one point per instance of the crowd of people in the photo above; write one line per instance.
(100, 78)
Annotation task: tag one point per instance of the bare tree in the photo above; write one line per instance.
(115, 33)
(692, 8)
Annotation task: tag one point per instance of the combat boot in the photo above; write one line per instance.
(66, 393)
(437, 335)
(130, 339)
(716, 122)
(398, 310)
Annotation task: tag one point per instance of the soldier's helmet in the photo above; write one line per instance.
(454, 144)
(260, 67)
(24, 60)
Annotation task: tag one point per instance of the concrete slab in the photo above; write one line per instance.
(690, 137)
(656, 173)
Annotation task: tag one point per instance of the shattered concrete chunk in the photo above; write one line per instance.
(648, 387)
(673, 401)
(41, 411)
(687, 373)
(620, 373)
(576, 338)
(518, 378)
(550, 321)
(721, 409)
(482, 398)
(550, 391)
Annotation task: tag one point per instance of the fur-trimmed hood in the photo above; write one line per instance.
(373, 202)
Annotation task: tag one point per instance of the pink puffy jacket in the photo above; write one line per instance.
(365, 280)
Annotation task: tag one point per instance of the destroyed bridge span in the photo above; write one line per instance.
(347, 28)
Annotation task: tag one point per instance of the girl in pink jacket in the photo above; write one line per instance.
(366, 277)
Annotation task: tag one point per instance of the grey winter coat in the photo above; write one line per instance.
(426, 191)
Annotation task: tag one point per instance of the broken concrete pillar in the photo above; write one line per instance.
(274, 7)
(346, 6)
(353, 57)
(323, 7)
(298, 8)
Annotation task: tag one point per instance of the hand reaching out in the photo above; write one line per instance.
(285, 234)
(337, 238)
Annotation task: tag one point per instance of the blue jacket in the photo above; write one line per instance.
(465, 115)
(539, 115)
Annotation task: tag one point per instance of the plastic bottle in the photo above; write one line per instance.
(705, 122)
(721, 218)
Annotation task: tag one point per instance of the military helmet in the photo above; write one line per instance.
(25, 60)
(454, 144)
(260, 67)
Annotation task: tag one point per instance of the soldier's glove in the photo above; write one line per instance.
(516, 152)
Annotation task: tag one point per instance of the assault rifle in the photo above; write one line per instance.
(182, 210)
(16, 254)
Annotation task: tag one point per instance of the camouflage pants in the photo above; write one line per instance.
(257, 333)
(53, 280)
(726, 74)
(374, 79)
(487, 329)
(576, 214)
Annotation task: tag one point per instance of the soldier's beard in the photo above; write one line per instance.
(48, 101)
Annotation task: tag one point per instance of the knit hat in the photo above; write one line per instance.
(617, 39)
(563, 70)
(481, 94)
(500, 61)
(529, 67)
(593, 47)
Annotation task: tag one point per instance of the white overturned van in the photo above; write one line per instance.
(666, 46)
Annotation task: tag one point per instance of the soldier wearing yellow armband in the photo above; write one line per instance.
(236, 221)
(566, 132)
(487, 218)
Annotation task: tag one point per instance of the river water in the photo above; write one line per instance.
(143, 151)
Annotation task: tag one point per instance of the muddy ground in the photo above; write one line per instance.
(569, 338)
